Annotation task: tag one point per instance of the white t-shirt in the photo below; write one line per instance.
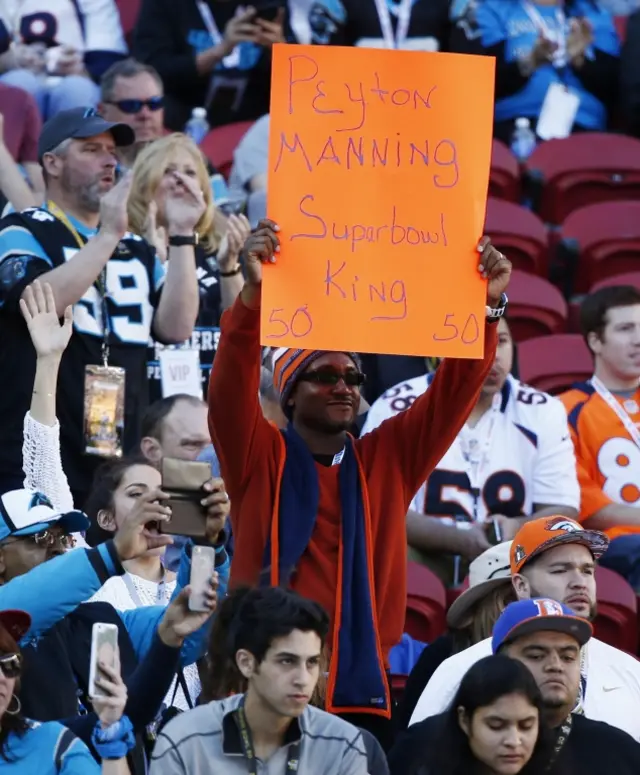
(612, 692)
(96, 27)
(522, 445)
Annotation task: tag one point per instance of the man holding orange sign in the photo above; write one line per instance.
(315, 509)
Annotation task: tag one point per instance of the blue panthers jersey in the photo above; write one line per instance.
(31, 244)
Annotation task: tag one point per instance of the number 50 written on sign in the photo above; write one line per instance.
(298, 324)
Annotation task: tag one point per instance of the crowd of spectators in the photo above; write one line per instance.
(137, 394)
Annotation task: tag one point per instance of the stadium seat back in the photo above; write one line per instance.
(599, 241)
(504, 178)
(219, 145)
(582, 169)
(426, 604)
(536, 307)
(519, 234)
(554, 363)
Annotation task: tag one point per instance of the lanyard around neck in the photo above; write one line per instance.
(606, 395)
(476, 461)
(291, 765)
(53, 208)
(135, 595)
(404, 19)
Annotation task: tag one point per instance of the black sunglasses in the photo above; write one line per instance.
(135, 106)
(326, 378)
(11, 665)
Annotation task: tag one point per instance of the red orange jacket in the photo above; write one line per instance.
(397, 458)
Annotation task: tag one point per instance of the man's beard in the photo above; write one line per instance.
(87, 195)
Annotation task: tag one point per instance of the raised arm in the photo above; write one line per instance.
(419, 437)
(238, 427)
(41, 460)
(178, 308)
(70, 281)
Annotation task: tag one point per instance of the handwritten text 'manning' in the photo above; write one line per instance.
(350, 153)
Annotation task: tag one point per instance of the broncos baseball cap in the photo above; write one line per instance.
(16, 623)
(80, 123)
(541, 534)
(25, 512)
(539, 614)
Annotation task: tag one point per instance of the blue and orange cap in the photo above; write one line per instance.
(538, 614)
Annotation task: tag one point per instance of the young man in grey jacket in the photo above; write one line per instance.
(275, 638)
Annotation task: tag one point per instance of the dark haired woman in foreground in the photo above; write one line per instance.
(493, 727)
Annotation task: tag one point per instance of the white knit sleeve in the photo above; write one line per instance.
(42, 463)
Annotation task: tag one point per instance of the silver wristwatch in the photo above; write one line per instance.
(495, 313)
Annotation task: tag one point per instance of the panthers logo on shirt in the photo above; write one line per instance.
(530, 460)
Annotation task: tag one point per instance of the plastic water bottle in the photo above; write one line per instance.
(197, 126)
(523, 140)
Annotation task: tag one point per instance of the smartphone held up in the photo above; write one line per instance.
(203, 563)
(104, 651)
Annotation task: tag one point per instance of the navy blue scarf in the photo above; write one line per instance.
(360, 683)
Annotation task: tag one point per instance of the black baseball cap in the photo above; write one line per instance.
(80, 123)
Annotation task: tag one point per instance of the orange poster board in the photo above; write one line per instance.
(378, 173)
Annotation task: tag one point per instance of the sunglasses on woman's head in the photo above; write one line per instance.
(11, 665)
(330, 378)
(135, 106)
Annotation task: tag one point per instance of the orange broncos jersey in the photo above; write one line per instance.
(608, 459)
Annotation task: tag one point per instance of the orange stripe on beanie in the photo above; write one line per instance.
(289, 364)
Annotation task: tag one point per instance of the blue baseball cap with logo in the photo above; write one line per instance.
(25, 512)
(539, 614)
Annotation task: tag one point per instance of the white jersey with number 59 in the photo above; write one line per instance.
(528, 461)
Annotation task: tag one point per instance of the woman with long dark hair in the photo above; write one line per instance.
(494, 726)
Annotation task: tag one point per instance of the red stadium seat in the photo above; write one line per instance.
(218, 146)
(129, 10)
(504, 178)
(536, 307)
(426, 604)
(621, 27)
(617, 619)
(628, 278)
(585, 168)
(599, 241)
(518, 233)
(398, 684)
(554, 363)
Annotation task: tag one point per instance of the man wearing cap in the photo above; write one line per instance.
(549, 639)
(79, 244)
(318, 511)
(556, 557)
